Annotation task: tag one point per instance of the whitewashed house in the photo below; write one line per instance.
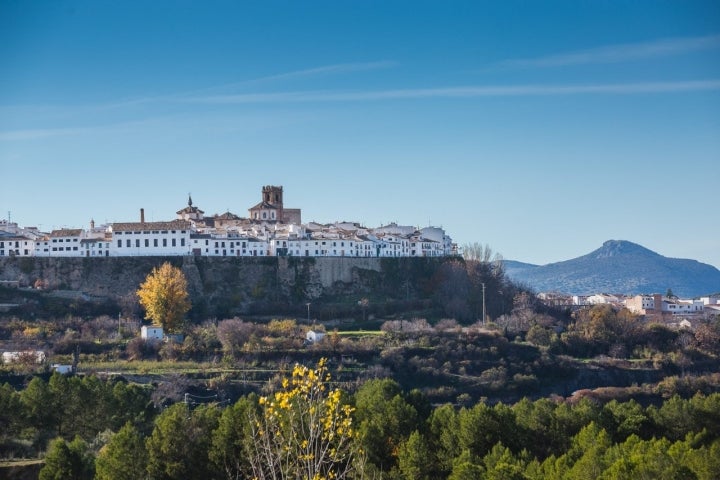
(682, 307)
(391, 245)
(95, 247)
(151, 238)
(151, 332)
(27, 356)
(16, 245)
(60, 243)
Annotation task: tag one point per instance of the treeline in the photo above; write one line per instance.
(396, 434)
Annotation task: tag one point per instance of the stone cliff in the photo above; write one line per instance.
(228, 285)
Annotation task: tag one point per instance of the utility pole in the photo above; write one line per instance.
(308, 312)
(483, 319)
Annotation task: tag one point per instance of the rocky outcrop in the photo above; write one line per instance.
(228, 284)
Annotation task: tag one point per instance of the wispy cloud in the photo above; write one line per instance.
(460, 92)
(190, 118)
(326, 70)
(618, 53)
(38, 133)
(334, 69)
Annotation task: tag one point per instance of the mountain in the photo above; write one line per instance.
(619, 266)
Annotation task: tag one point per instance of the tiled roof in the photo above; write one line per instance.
(66, 232)
(136, 226)
(190, 209)
(264, 205)
(227, 216)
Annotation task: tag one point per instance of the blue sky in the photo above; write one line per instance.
(539, 128)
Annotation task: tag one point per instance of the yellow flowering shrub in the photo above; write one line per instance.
(305, 431)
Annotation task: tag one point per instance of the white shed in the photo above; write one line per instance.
(62, 369)
(151, 332)
(313, 337)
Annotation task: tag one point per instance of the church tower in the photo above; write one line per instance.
(272, 209)
(273, 195)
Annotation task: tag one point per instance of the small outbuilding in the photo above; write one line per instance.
(313, 337)
(62, 369)
(151, 332)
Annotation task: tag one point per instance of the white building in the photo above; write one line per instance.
(682, 307)
(313, 337)
(95, 247)
(61, 243)
(27, 356)
(710, 300)
(393, 245)
(16, 245)
(151, 238)
(151, 332)
(602, 299)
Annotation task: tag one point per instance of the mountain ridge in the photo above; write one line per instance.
(619, 266)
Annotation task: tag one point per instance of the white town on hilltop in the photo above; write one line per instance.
(270, 229)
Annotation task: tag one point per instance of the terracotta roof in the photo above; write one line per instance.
(190, 209)
(227, 216)
(136, 226)
(66, 232)
(264, 205)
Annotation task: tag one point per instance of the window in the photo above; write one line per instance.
(119, 243)
(137, 243)
(147, 242)
(173, 242)
(182, 242)
(127, 242)
(164, 242)
(155, 242)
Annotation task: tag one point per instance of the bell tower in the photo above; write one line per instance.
(273, 195)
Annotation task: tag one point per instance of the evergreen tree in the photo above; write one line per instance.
(123, 457)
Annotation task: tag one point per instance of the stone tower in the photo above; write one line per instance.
(273, 195)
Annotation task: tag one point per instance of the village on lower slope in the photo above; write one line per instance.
(667, 309)
(270, 229)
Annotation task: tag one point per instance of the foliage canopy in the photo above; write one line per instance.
(164, 296)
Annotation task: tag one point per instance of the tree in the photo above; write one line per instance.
(414, 458)
(231, 439)
(123, 457)
(232, 334)
(385, 421)
(164, 296)
(179, 445)
(67, 461)
(304, 431)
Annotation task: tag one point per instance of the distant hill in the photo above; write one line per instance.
(619, 267)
